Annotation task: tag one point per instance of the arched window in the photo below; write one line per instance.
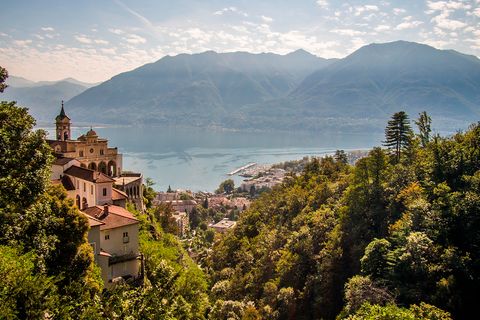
(92, 165)
(83, 165)
(112, 168)
(84, 203)
(102, 167)
(77, 201)
(65, 135)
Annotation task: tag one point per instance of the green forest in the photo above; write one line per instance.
(395, 236)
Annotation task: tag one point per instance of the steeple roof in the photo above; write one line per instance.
(62, 114)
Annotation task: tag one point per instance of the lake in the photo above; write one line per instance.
(199, 160)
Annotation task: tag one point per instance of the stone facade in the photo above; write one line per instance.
(91, 151)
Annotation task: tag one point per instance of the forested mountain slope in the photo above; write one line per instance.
(383, 231)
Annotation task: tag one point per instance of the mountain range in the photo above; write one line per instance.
(296, 91)
(43, 97)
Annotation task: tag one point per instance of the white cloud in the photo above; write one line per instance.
(135, 39)
(22, 43)
(111, 51)
(83, 39)
(398, 11)
(322, 3)
(446, 5)
(382, 27)
(101, 41)
(408, 25)
(267, 19)
(366, 8)
(48, 29)
(442, 21)
(477, 12)
(3, 34)
(116, 31)
(230, 9)
(347, 32)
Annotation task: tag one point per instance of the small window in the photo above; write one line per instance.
(81, 153)
(125, 234)
(91, 189)
(91, 150)
(101, 152)
(78, 185)
(107, 237)
(84, 187)
(104, 192)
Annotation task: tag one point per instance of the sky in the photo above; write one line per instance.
(93, 40)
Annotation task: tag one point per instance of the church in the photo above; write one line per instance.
(91, 173)
(91, 151)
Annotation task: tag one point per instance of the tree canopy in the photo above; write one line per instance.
(398, 133)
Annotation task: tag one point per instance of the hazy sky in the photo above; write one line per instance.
(92, 40)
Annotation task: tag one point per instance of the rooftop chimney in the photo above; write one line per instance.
(105, 210)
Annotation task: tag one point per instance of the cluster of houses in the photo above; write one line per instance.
(267, 179)
(182, 209)
(91, 172)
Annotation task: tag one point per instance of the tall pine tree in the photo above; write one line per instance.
(398, 133)
(423, 123)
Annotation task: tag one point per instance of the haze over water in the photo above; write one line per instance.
(198, 159)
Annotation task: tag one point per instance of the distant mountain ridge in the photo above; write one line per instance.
(385, 77)
(296, 91)
(199, 89)
(42, 98)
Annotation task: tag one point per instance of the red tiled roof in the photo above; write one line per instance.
(116, 217)
(62, 161)
(92, 222)
(87, 174)
(118, 194)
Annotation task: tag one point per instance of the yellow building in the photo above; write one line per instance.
(91, 151)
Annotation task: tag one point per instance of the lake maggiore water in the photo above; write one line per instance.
(199, 160)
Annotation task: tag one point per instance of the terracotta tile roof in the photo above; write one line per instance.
(118, 194)
(87, 174)
(92, 222)
(62, 161)
(116, 217)
(124, 180)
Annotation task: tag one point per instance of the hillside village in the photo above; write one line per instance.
(92, 173)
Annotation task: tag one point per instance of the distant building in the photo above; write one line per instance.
(166, 196)
(182, 221)
(223, 225)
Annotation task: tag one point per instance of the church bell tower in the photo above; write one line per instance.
(62, 123)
